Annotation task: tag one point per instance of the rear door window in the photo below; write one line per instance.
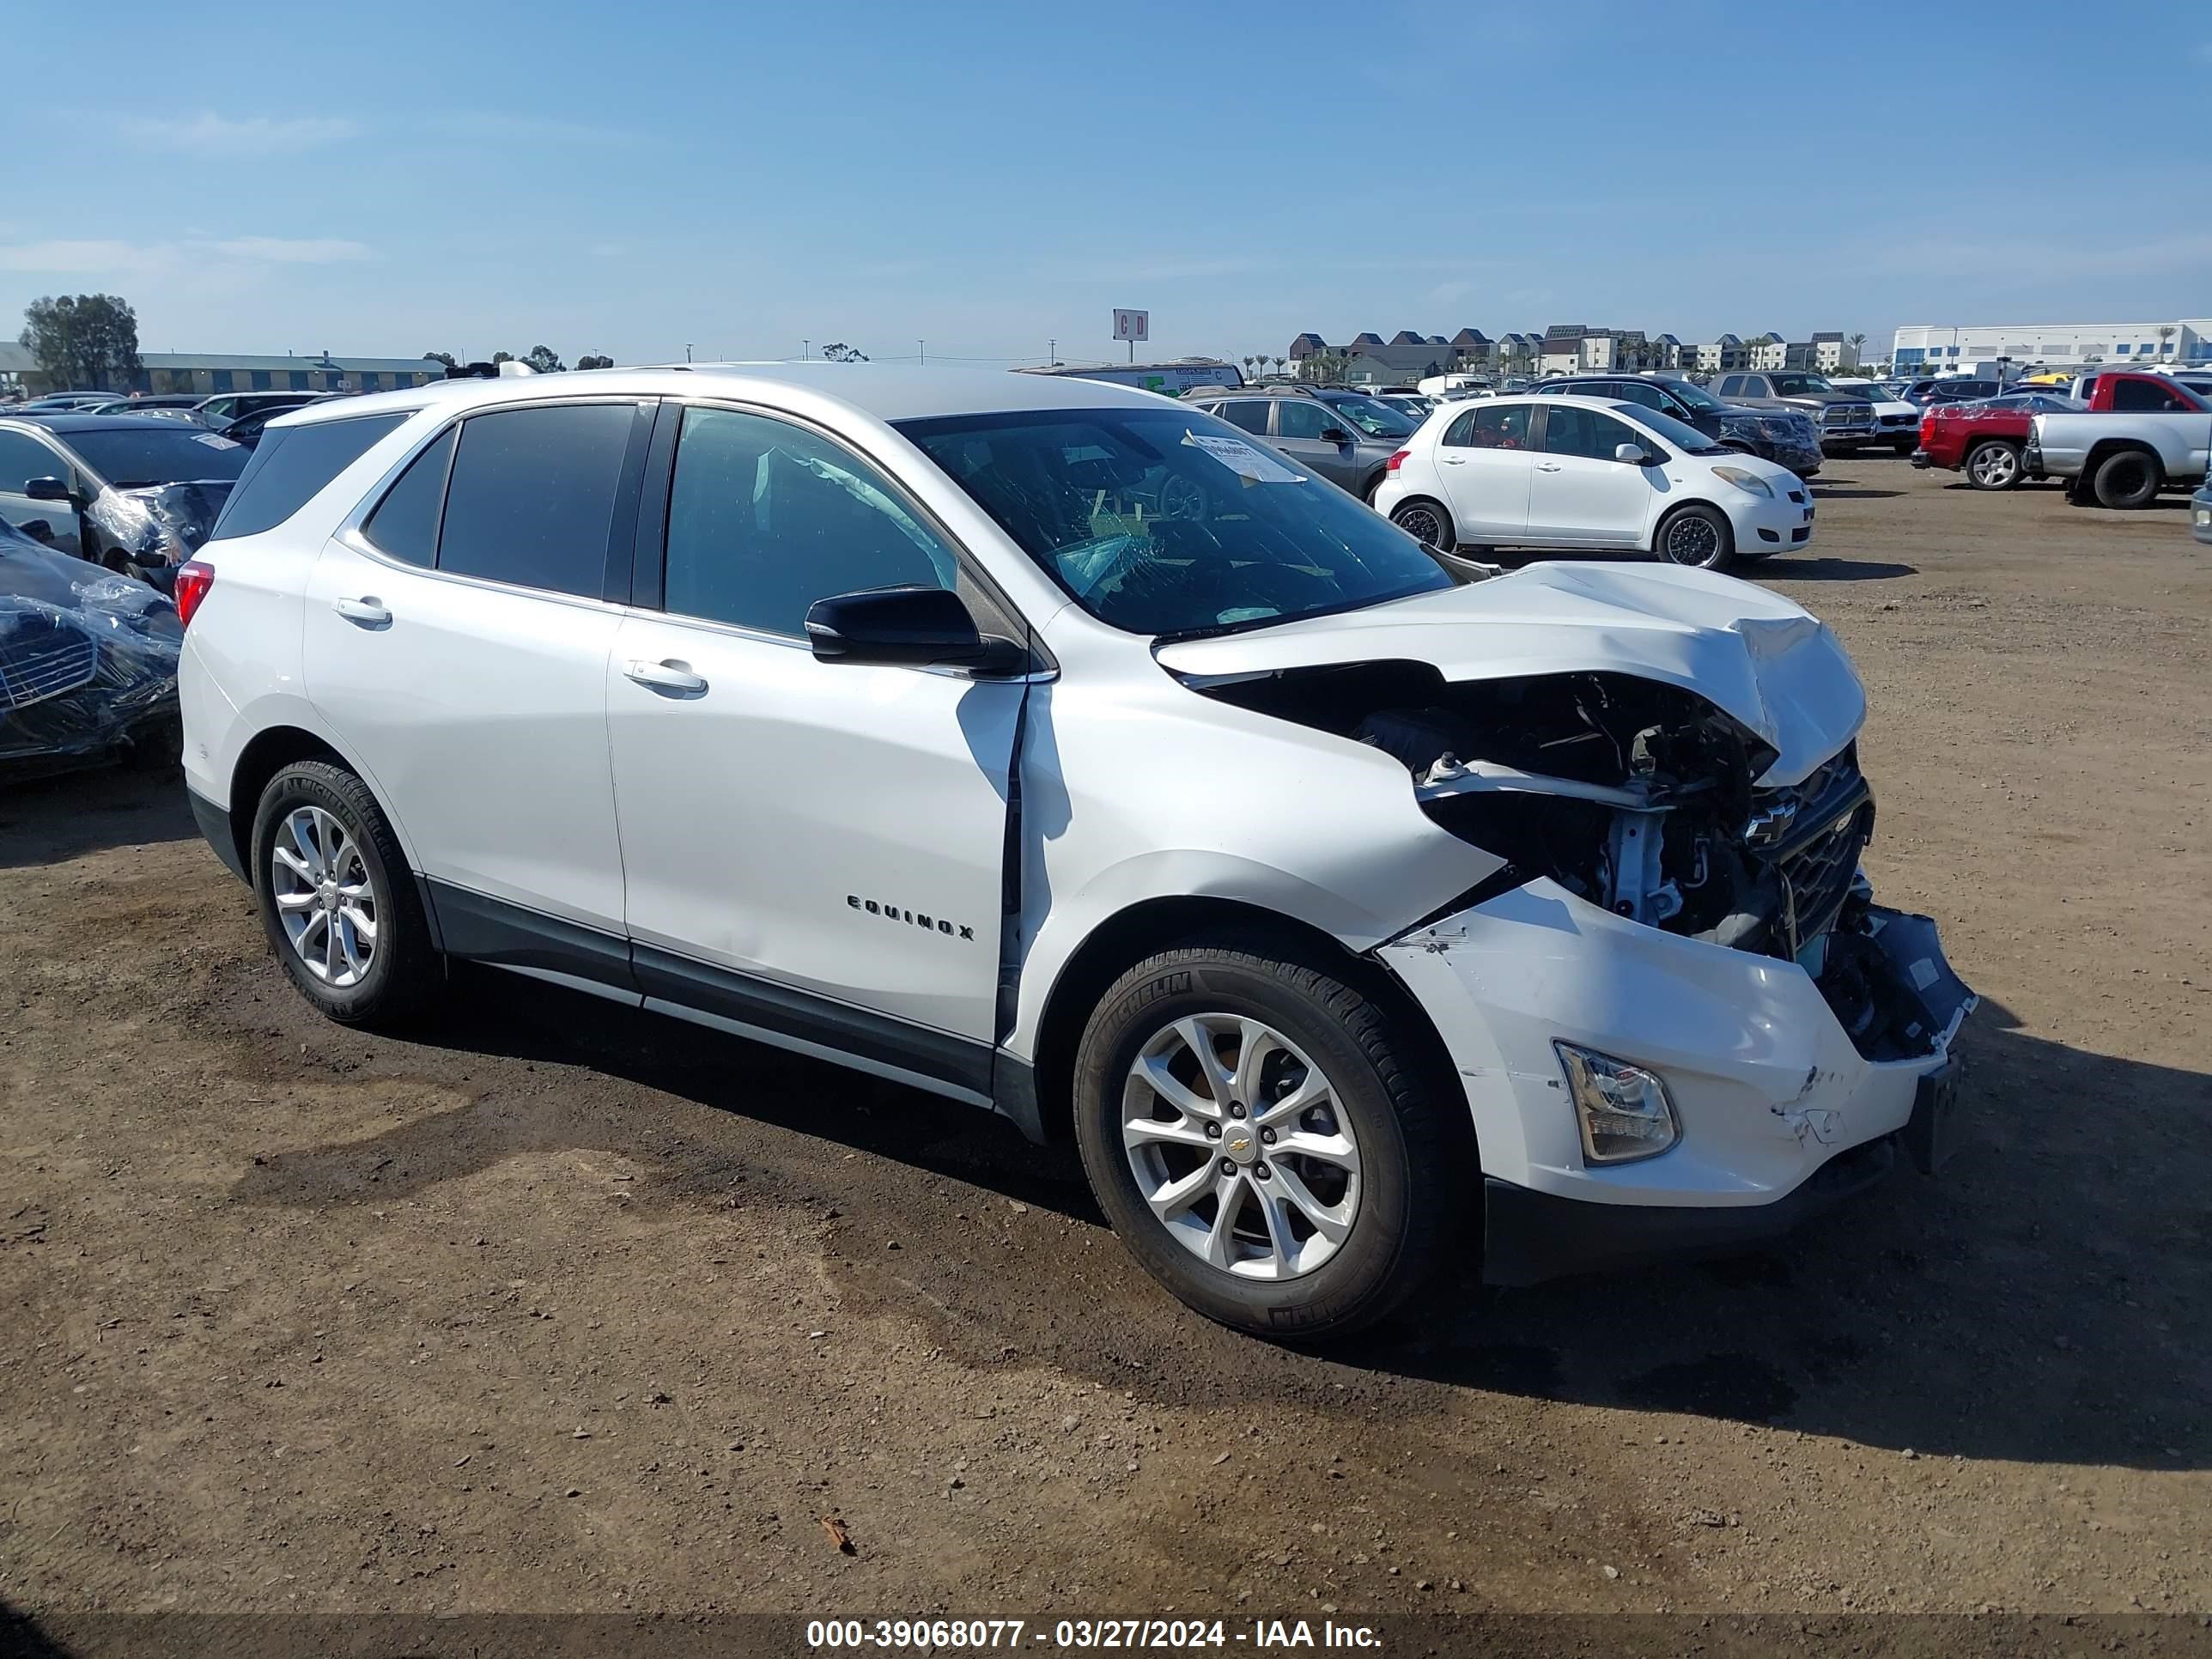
(290, 466)
(405, 522)
(532, 499)
(1496, 428)
(1250, 413)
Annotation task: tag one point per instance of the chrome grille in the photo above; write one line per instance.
(40, 662)
(1811, 836)
(1837, 415)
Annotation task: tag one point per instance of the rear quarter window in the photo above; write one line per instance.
(290, 468)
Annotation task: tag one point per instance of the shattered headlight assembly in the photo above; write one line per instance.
(1750, 483)
(1623, 1109)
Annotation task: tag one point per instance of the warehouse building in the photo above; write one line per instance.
(1927, 348)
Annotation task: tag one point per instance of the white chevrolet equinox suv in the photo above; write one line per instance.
(1060, 749)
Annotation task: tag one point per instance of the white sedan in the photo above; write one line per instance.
(1589, 473)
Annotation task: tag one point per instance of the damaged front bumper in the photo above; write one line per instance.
(1781, 1109)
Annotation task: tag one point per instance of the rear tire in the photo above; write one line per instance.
(1390, 1201)
(350, 843)
(2127, 479)
(1697, 536)
(1993, 464)
(1427, 522)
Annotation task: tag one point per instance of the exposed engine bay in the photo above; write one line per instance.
(1631, 794)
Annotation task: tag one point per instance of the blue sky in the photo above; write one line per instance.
(987, 177)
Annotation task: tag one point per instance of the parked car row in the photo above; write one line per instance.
(2121, 438)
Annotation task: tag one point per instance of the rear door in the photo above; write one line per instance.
(1578, 494)
(456, 638)
(814, 850)
(1299, 423)
(1484, 459)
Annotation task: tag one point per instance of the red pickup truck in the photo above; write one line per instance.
(1985, 440)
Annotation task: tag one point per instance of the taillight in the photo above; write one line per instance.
(1396, 460)
(1927, 427)
(193, 580)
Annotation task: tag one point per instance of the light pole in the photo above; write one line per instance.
(687, 351)
(805, 349)
(922, 346)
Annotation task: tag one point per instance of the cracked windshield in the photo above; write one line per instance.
(1172, 522)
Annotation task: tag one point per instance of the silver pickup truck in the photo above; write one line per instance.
(2124, 456)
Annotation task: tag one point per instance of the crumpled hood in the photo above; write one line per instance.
(1763, 661)
(161, 518)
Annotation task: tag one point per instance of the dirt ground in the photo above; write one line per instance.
(559, 1310)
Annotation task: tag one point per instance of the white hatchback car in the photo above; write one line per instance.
(1053, 747)
(1566, 472)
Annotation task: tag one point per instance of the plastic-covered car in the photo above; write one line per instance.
(87, 663)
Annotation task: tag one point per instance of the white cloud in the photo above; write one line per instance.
(253, 135)
(490, 125)
(2189, 253)
(94, 257)
(69, 255)
(290, 251)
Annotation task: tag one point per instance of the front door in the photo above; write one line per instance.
(813, 849)
(458, 643)
(1299, 424)
(1578, 494)
(1484, 460)
(23, 458)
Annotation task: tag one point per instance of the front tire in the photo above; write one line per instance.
(1696, 536)
(2127, 480)
(1993, 464)
(1266, 1142)
(337, 902)
(1427, 522)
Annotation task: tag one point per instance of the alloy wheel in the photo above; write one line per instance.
(1239, 1147)
(1691, 540)
(1994, 466)
(1423, 524)
(323, 895)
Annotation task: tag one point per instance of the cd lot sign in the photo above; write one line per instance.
(1132, 326)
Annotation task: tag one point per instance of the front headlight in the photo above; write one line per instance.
(1750, 483)
(1623, 1109)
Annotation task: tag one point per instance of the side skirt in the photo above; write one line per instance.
(561, 952)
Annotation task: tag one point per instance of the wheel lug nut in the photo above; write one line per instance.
(1267, 1135)
(1228, 1166)
(1261, 1170)
(1236, 1109)
(1213, 1132)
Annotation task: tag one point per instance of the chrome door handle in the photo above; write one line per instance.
(1547, 467)
(1453, 460)
(368, 611)
(669, 676)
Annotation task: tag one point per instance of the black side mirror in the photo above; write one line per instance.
(917, 627)
(1335, 434)
(48, 489)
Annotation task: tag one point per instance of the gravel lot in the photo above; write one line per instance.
(554, 1310)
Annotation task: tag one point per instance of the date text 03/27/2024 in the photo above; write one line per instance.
(955, 1634)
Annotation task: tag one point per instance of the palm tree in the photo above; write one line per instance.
(2165, 333)
(1248, 363)
(1281, 363)
(1859, 342)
